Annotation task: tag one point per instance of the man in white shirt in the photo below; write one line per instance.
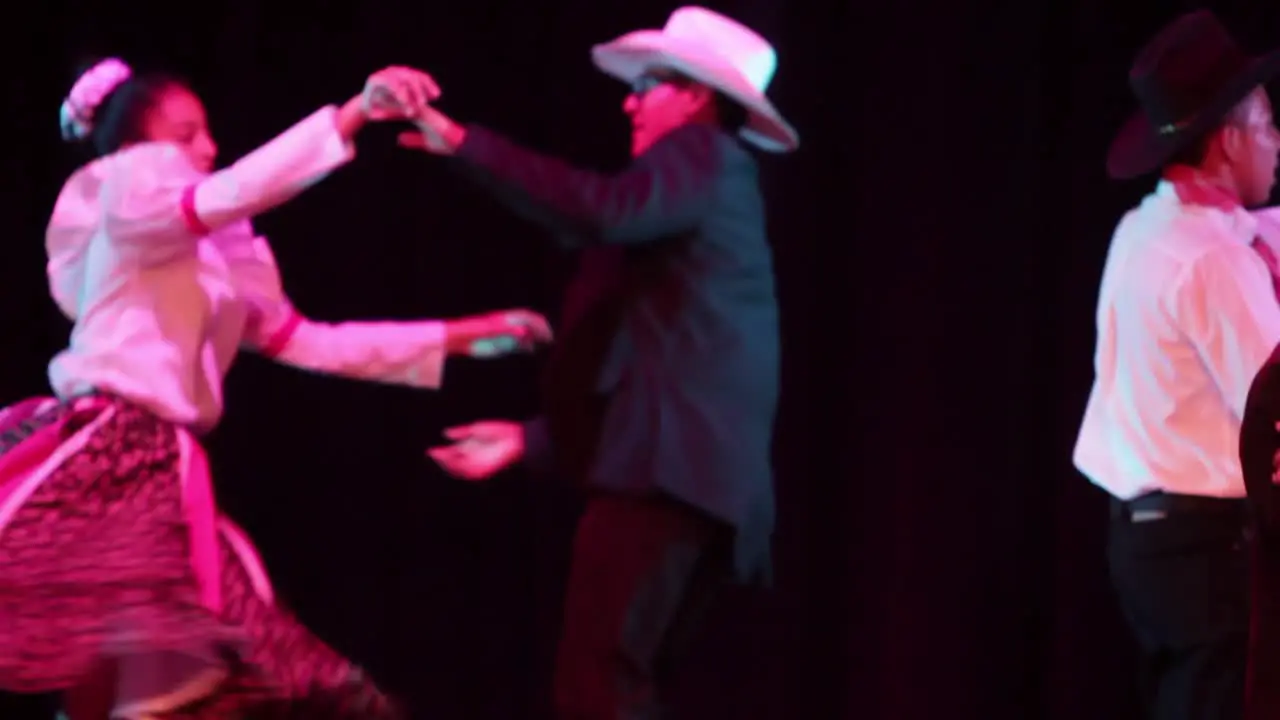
(1187, 314)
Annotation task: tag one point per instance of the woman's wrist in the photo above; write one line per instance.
(455, 342)
(351, 117)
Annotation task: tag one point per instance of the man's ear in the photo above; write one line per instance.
(1232, 142)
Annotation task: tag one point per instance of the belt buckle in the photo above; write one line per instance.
(1140, 516)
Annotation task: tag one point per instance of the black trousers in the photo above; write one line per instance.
(1262, 691)
(644, 572)
(1183, 583)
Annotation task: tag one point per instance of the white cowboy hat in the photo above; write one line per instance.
(716, 51)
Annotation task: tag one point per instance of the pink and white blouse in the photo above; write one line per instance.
(159, 268)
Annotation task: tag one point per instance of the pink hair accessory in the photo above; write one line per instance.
(76, 114)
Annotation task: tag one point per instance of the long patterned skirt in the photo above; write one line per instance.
(100, 567)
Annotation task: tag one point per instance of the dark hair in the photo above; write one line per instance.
(120, 119)
(1195, 152)
(732, 115)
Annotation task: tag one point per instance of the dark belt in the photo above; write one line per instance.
(12, 435)
(1159, 505)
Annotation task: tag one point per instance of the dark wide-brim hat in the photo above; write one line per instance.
(1186, 80)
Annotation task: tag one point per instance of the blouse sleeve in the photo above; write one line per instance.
(155, 203)
(398, 353)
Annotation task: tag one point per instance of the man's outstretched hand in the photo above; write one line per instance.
(437, 133)
(480, 450)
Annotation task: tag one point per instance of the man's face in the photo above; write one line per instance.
(661, 102)
(1253, 147)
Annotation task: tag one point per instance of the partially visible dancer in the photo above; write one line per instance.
(120, 583)
(1260, 461)
(1186, 317)
(660, 397)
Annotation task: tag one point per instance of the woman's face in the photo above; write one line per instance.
(178, 117)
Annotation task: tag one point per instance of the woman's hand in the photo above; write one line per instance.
(497, 333)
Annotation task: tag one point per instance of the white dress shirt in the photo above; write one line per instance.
(1186, 317)
(160, 270)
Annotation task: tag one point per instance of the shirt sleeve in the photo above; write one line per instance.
(398, 353)
(156, 204)
(1229, 309)
(1269, 227)
(665, 191)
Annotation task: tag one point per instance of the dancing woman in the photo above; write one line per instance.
(121, 585)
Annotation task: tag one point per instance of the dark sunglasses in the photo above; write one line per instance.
(651, 80)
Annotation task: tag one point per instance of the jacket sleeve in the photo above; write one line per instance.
(410, 353)
(156, 204)
(1260, 444)
(666, 190)
(539, 455)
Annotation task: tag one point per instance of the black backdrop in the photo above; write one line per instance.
(939, 240)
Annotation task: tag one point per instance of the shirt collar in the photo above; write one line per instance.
(1187, 187)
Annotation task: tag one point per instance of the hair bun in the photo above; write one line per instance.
(75, 117)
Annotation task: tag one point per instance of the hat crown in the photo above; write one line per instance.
(737, 45)
(1183, 69)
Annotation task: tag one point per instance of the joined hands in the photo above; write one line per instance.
(404, 93)
(397, 93)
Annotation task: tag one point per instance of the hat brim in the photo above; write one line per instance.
(1139, 148)
(632, 55)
